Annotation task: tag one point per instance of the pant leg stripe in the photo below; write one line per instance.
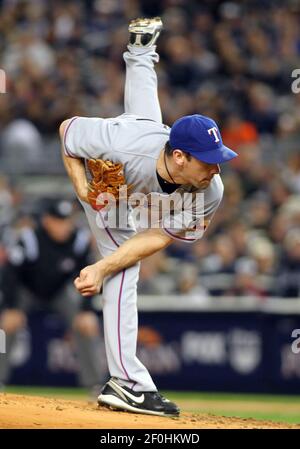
(110, 235)
(119, 303)
(119, 324)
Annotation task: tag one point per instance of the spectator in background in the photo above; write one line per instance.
(238, 231)
(291, 174)
(200, 251)
(207, 43)
(288, 274)
(181, 70)
(279, 193)
(3, 260)
(278, 229)
(262, 110)
(22, 145)
(38, 277)
(229, 60)
(156, 275)
(291, 209)
(245, 280)
(218, 267)
(188, 284)
(237, 132)
(261, 251)
(7, 203)
(259, 213)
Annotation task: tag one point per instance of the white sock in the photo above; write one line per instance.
(141, 50)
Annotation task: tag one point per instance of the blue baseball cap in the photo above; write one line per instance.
(201, 137)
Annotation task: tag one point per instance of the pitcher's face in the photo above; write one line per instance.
(199, 174)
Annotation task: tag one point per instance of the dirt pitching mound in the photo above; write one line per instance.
(34, 412)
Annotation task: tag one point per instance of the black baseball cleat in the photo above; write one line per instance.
(122, 398)
(144, 32)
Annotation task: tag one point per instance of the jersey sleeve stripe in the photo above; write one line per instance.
(66, 149)
(177, 236)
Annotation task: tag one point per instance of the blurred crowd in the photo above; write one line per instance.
(229, 60)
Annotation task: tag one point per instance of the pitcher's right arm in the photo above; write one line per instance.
(74, 166)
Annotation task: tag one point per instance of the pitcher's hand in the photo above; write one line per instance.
(90, 280)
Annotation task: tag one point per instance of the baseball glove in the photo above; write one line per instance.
(106, 177)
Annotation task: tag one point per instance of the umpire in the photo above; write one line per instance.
(39, 276)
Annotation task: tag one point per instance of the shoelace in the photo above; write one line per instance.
(157, 395)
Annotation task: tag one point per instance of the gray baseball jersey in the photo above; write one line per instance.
(136, 142)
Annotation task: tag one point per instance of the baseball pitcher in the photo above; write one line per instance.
(102, 156)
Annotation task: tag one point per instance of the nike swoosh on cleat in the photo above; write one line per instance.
(137, 399)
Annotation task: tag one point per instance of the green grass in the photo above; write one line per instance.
(59, 392)
(269, 416)
(197, 402)
(77, 392)
(196, 396)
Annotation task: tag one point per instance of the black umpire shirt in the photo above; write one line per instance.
(44, 266)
